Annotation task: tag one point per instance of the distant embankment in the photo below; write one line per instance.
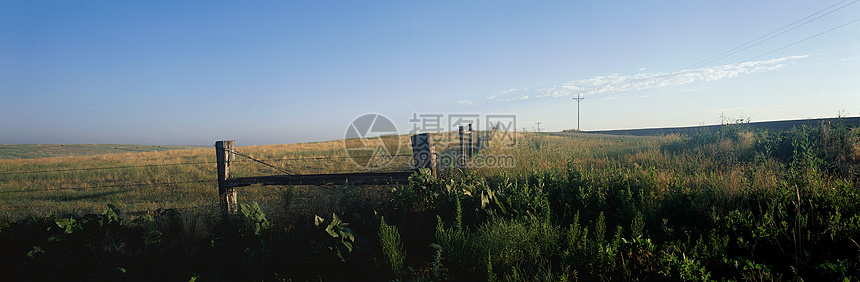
(771, 125)
(32, 151)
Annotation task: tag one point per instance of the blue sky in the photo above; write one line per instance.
(270, 72)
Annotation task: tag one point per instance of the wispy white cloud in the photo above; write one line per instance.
(615, 83)
(694, 89)
(466, 102)
(523, 97)
(502, 93)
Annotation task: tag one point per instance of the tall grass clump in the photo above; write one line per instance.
(501, 247)
(392, 246)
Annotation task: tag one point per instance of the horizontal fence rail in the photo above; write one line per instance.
(359, 178)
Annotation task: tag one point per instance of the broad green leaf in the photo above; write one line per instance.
(318, 220)
(330, 230)
(335, 220)
(348, 246)
(36, 250)
(348, 234)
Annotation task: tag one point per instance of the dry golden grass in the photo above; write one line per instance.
(143, 182)
(855, 146)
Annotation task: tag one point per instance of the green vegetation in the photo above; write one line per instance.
(731, 205)
(392, 247)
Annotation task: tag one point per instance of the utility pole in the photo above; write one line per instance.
(538, 125)
(578, 98)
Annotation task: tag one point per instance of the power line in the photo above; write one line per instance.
(560, 110)
(789, 45)
(754, 43)
(753, 58)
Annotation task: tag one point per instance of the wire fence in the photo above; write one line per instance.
(144, 186)
(292, 173)
(112, 185)
(108, 185)
(101, 168)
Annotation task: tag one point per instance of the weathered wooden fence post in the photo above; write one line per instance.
(471, 144)
(224, 155)
(424, 152)
(461, 158)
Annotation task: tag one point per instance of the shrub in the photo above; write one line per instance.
(392, 247)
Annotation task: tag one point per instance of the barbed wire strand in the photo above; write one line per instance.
(284, 170)
(101, 168)
(110, 186)
(319, 158)
(263, 162)
(175, 164)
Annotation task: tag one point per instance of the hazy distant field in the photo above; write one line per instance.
(32, 151)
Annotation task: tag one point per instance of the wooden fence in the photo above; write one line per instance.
(423, 156)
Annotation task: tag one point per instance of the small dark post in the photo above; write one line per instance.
(424, 153)
(224, 155)
(461, 159)
(471, 144)
(479, 144)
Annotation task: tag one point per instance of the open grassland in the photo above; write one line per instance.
(32, 151)
(736, 204)
(148, 181)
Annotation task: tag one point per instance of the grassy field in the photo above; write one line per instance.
(736, 204)
(140, 182)
(33, 151)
